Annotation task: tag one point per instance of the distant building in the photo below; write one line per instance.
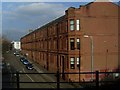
(84, 39)
(16, 45)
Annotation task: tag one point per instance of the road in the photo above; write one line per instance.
(14, 61)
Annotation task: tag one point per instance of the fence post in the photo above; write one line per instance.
(97, 79)
(58, 80)
(17, 76)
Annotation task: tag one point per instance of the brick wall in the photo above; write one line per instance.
(99, 20)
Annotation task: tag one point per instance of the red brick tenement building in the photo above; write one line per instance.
(64, 40)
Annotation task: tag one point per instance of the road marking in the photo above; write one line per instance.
(44, 75)
(38, 69)
(28, 76)
(32, 79)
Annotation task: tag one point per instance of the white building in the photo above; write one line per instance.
(16, 45)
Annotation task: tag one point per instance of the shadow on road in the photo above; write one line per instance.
(8, 76)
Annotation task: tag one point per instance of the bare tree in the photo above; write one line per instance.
(5, 44)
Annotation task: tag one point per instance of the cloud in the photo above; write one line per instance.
(29, 16)
(34, 12)
(41, 8)
(13, 34)
(40, 11)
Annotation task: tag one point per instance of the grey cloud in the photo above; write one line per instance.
(29, 16)
(31, 13)
(13, 34)
(41, 8)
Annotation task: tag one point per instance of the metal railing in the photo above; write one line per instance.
(96, 81)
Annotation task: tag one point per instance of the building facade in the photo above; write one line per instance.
(62, 45)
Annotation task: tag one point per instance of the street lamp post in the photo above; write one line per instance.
(79, 58)
(58, 76)
(92, 53)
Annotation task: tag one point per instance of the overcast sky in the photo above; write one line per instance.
(19, 17)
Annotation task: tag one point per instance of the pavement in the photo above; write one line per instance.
(50, 77)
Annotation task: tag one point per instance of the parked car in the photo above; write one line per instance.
(29, 66)
(25, 62)
(22, 58)
(16, 54)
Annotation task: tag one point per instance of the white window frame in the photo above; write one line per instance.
(72, 24)
(78, 41)
(78, 62)
(72, 62)
(77, 24)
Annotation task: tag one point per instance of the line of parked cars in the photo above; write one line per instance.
(28, 65)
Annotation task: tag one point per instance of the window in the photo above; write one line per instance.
(66, 25)
(71, 24)
(72, 41)
(34, 35)
(78, 43)
(72, 63)
(78, 62)
(78, 25)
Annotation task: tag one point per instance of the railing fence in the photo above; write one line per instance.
(97, 78)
